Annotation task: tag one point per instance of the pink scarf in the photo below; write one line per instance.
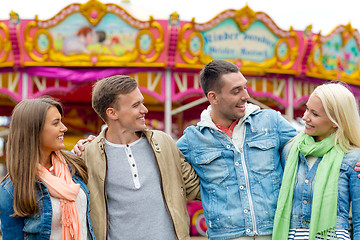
(61, 186)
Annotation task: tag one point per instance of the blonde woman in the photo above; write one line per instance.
(319, 181)
(44, 195)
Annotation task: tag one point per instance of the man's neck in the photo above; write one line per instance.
(121, 136)
(220, 121)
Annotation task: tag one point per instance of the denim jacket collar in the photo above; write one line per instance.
(206, 121)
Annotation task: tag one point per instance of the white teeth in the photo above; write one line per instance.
(61, 138)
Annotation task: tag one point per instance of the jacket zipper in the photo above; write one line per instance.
(252, 212)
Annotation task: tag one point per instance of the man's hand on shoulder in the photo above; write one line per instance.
(357, 168)
(79, 147)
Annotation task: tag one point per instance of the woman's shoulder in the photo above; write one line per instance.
(6, 194)
(351, 157)
(6, 184)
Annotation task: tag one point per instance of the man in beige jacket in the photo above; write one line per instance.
(138, 179)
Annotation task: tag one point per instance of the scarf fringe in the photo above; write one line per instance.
(327, 234)
(61, 186)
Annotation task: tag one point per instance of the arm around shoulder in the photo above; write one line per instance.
(189, 176)
(191, 179)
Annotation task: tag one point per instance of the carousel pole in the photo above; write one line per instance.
(25, 86)
(168, 102)
(290, 92)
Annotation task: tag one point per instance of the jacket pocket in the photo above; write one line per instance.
(262, 155)
(213, 166)
(33, 224)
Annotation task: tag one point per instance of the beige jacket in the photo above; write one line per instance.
(178, 182)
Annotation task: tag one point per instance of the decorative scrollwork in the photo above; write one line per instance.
(5, 45)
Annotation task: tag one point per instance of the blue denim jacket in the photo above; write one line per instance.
(37, 226)
(349, 191)
(239, 184)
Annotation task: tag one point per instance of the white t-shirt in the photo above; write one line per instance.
(81, 203)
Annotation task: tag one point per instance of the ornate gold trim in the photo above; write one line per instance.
(94, 11)
(5, 44)
(29, 43)
(192, 35)
(244, 18)
(158, 45)
(317, 68)
(152, 44)
(46, 32)
(184, 45)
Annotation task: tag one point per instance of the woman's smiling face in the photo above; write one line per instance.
(317, 123)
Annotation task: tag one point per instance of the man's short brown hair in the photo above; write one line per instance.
(210, 75)
(105, 92)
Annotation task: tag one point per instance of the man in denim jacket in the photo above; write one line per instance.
(235, 150)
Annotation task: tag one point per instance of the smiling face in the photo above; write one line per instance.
(228, 105)
(130, 111)
(52, 134)
(317, 123)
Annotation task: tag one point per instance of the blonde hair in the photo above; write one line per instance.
(341, 108)
(23, 152)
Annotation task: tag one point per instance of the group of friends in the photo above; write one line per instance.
(255, 177)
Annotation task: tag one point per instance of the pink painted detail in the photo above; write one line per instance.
(301, 101)
(15, 45)
(172, 46)
(50, 90)
(94, 60)
(205, 26)
(283, 102)
(192, 92)
(161, 97)
(17, 97)
(184, 95)
(244, 20)
(94, 14)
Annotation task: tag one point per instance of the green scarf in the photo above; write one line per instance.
(324, 202)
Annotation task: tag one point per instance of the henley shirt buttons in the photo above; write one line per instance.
(305, 202)
(135, 175)
(245, 211)
(241, 187)
(304, 222)
(129, 155)
(228, 146)
(133, 165)
(306, 181)
(237, 164)
(248, 230)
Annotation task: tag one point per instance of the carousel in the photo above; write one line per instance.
(63, 56)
